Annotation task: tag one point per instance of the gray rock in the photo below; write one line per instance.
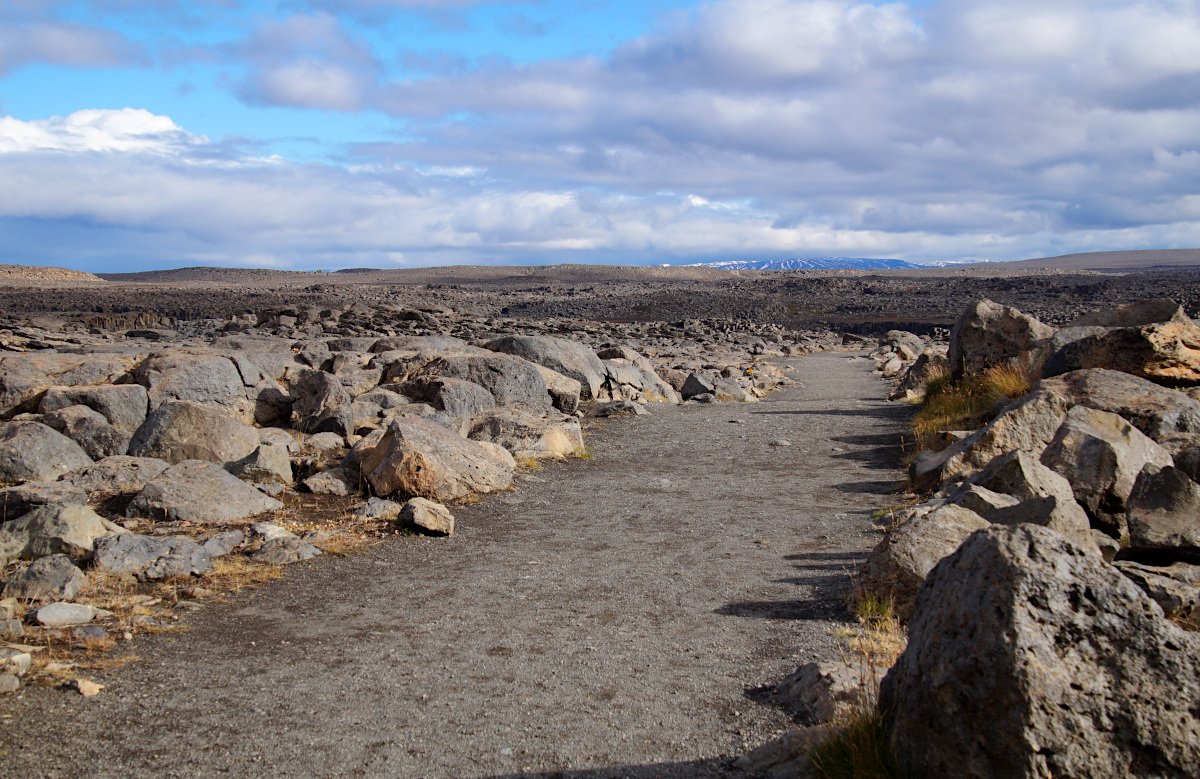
(980, 499)
(456, 397)
(785, 757)
(510, 380)
(51, 578)
(89, 429)
(1056, 512)
(698, 384)
(31, 451)
(333, 481)
(1045, 497)
(528, 435)
(617, 408)
(23, 498)
(906, 344)
(378, 509)
(427, 515)
(560, 355)
(14, 661)
(272, 403)
(62, 615)
(223, 543)
(1167, 353)
(564, 391)
(284, 551)
(925, 367)
(1184, 449)
(321, 403)
(265, 465)
(1156, 411)
(1164, 513)
(416, 457)
(900, 562)
(1175, 590)
(1101, 455)
(24, 377)
(322, 442)
(151, 558)
(269, 531)
(822, 692)
(195, 377)
(199, 492)
(120, 473)
(53, 529)
(124, 406)
(1027, 424)
(177, 430)
(988, 334)
(1030, 656)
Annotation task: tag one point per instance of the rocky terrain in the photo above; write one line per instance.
(167, 439)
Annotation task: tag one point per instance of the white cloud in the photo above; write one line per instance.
(125, 130)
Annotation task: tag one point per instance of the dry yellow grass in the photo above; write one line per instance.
(951, 405)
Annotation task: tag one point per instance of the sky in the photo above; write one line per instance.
(326, 134)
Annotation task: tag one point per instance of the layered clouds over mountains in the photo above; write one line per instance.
(726, 130)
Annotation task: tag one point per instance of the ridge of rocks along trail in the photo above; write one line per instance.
(612, 617)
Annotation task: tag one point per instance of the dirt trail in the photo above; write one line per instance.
(609, 618)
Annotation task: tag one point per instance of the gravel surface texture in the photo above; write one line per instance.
(623, 616)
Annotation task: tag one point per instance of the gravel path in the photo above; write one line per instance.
(610, 618)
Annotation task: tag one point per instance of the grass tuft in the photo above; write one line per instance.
(964, 405)
(859, 749)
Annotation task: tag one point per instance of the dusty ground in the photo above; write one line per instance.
(613, 617)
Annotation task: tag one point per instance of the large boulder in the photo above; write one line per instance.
(24, 377)
(51, 578)
(456, 397)
(1029, 656)
(1045, 497)
(198, 378)
(321, 403)
(265, 465)
(511, 380)
(1166, 353)
(1164, 514)
(90, 430)
(199, 492)
(124, 406)
(1156, 411)
(1101, 455)
(1028, 424)
(31, 451)
(415, 457)
(180, 430)
(528, 435)
(901, 561)
(119, 473)
(21, 499)
(51, 529)
(988, 333)
(560, 355)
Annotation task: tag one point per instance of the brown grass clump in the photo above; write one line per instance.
(965, 404)
(859, 746)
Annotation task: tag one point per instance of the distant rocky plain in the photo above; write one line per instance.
(160, 426)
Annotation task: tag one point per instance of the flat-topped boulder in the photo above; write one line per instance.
(24, 377)
(119, 473)
(560, 355)
(182, 430)
(124, 406)
(510, 380)
(53, 529)
(199, 492)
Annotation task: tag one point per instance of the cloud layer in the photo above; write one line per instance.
(746, 128)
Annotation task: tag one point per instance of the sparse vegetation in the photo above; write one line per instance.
(965, 404)
(859, 749)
